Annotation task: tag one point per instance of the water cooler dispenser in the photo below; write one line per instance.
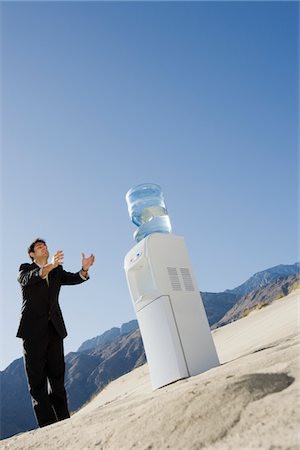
(172, 320)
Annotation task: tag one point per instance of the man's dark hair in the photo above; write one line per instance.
(31, 246)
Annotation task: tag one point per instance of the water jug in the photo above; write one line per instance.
(147, 209)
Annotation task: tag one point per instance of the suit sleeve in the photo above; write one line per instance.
(71, 278)
(29, 275)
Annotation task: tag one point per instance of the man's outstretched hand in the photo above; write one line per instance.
(87, 262)
(57, 259)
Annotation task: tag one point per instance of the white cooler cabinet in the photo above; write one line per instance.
(172, 320)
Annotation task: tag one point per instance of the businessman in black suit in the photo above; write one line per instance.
(42, 329)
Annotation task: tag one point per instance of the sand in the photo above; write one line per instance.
(251, 401)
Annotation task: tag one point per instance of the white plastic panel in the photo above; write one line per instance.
(195, 334)
(161, 342)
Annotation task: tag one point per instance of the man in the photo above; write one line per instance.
(42, 329)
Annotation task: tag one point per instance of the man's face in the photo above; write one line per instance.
(40, 250)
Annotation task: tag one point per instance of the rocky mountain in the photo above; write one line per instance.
(119, 350)
(261, 279)
(216, 304)
(259, 298)
(16, 413)
(90, 370)
(109, 335)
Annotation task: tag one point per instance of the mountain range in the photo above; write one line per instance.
(119, 350)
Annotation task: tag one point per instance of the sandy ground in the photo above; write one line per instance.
(251, 401)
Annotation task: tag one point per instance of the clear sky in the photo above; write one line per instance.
(96, 97)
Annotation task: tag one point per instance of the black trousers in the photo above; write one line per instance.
(45, 369)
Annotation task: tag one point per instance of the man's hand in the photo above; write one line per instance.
(57, 259)
(87, 262)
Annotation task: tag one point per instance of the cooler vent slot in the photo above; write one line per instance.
(174, 279)
(187, 279)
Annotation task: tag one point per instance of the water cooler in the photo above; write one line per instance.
(172, 320)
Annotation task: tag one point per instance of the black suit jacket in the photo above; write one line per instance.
(40, 300)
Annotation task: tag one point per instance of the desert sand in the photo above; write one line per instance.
(251, 401)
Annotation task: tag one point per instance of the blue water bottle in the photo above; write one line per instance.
(147, 210)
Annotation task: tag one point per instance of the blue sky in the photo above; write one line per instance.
(199, 97)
